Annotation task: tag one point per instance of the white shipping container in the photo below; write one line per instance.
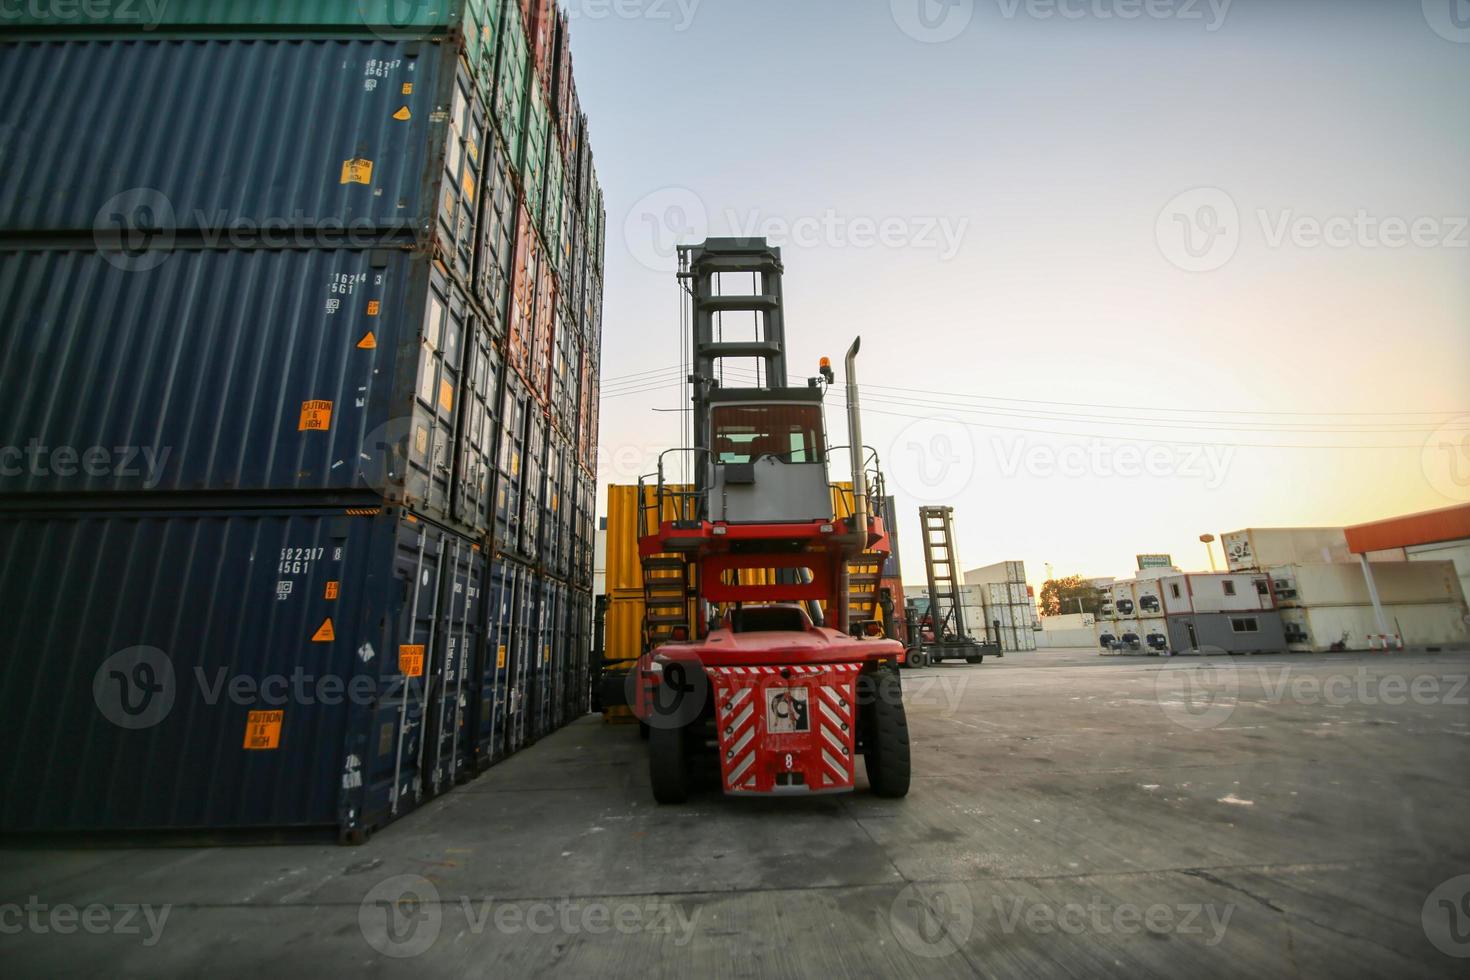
(1125, 599)
(1155, 633)
(1003, 572)
(1316, 629)
(1455, 551)
(1255, 549)
(1130, 634)
(1149, 593)
(1345, 585)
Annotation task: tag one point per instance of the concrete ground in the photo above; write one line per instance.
(1071, 815)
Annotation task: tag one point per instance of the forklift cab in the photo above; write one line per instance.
(768, 457)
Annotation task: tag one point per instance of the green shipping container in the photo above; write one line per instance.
(533, 161)
(389, 17)
(482, 21)
(512, 78)
(551, 217)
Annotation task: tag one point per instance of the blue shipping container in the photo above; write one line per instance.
(245, 371)
(239, 670)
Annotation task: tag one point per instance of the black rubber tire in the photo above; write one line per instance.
(887, 739)
(643, 730)
(668, 765)
(975, 660)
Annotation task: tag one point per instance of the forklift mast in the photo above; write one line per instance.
(946, 600)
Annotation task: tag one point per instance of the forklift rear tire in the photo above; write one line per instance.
(887, 742)
(975, 660)
(668, 765)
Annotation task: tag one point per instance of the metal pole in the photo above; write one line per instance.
(1373, 597)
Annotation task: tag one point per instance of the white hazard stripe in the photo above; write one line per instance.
(835, 765)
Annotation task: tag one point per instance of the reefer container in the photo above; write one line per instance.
(1322, 629)
(264, 669)
(235, 372)
(1398, 583)
(1255, 549)
(1154, 633)
(1124, 599)
(388, 144)
(1002, 572)
(1148, 593)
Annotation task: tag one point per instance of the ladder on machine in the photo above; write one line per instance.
(946, 607)
(864, 578)
(668, 595)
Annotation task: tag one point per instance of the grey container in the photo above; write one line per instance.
(245, 372)
(292, 671)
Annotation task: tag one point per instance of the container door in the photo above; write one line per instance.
(452, 689)
(394, 783)
(522, 636)
(474, 479)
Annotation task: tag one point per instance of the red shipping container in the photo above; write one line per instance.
(528, 271)
(542, 27)
(545, 335)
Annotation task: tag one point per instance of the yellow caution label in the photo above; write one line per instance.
(469, 185)
(368, 342)
(357, 172)
(375, 307)
(411, 660)
(408, 88)
(325, 633)
(333, 590)
(546, 655)
(403, 115)
(421, 440)
(316, 416)
(263, 730)
(446, 396)
(500, 658)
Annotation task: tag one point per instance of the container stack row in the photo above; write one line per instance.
(1002, 607)
(302, 310)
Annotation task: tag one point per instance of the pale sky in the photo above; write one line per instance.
(1085, 363)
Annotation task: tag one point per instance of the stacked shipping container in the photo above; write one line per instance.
(1003, 608)
(297, 490)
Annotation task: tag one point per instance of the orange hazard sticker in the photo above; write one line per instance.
(500, 657)
(357, 171)
(325, 633)
(469, 183)
(369, 342)
(315, 416)
(403, 115)
(334, 589)
(446, 396)
(411, 660)
(375, 306)
(263, 730)
(408, 88)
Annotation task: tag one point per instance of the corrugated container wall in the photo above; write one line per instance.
(1255, 549)
(341, 311)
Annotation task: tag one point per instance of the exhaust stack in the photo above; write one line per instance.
(855, 436)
